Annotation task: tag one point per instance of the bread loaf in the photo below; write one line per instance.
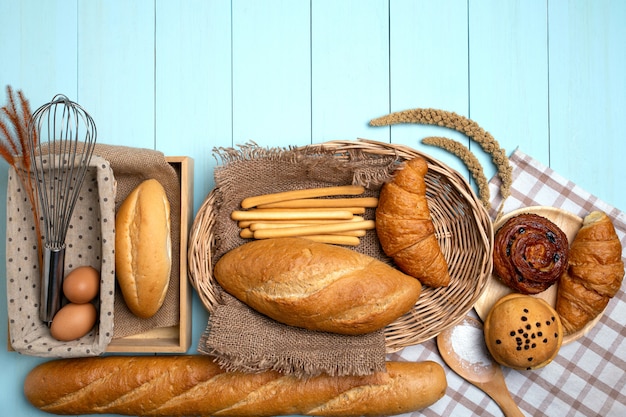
(143, 248)
(594, 274)
(316, 286)
(404, 226)
(191, 385)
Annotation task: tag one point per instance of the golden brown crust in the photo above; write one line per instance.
(594, 275)
(400, 234)
(195, 385)
(316, 286)
(523, 332)
(405, 229)
(530, 253)
(143, 253)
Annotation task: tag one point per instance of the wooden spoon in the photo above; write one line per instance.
(463, 348)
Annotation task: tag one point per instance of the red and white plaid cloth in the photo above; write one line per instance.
(588, 377)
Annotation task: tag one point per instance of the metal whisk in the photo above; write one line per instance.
(60, 159)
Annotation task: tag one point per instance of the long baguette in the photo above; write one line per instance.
(193, 385)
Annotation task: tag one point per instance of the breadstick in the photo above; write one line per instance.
(324, 202)
(247, 223)
(290, 214)
(272, 225)
(299, 194)
(314, 229)
(357, 233)
(335, 239)
(353, 210)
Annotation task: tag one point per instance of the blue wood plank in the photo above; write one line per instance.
(116, 69)
(39, 47)
(588, 95)
(193, 95)
(193, 84)
(184, 76)
(428, 68)
(350, 68)
(509, 76)
(271, 72)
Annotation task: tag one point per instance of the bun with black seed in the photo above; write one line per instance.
(523, 332)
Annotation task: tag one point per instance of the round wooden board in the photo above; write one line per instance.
(494, 289)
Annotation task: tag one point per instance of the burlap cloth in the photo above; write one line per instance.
(131, 166)
(241, 338)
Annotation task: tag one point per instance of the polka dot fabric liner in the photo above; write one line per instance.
(90, 241)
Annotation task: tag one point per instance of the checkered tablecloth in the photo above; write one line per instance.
(588, 377)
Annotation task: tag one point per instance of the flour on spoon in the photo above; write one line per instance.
(469, 343)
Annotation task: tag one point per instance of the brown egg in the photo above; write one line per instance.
(81, 285)
(73, 321)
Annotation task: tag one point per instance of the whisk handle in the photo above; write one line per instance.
(51, 283)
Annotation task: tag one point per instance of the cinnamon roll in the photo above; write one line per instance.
(530, 253)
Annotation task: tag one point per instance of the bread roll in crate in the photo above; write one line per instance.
(462, 225)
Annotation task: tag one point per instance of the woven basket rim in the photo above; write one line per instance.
(416, 326)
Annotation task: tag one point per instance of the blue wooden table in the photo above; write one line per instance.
(547, 77)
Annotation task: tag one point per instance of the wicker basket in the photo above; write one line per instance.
(463, 228)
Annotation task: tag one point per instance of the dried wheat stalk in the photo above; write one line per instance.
(15, 149)
(461, 124)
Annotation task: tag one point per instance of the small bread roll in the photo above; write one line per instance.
(143, 248)
(523, 332)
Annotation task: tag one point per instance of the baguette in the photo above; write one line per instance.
(316, 286)
(193, 385)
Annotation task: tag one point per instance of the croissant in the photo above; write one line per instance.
(405, 229)
(594, 274)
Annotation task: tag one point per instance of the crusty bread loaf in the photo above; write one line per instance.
(143, 248)
(193, 385)
(317, 286)
(594, 274)
(405, 228)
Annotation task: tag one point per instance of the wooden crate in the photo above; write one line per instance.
(175, 339)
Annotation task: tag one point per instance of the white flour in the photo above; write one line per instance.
(469, 344)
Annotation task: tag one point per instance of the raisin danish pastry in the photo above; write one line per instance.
(530, 253)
